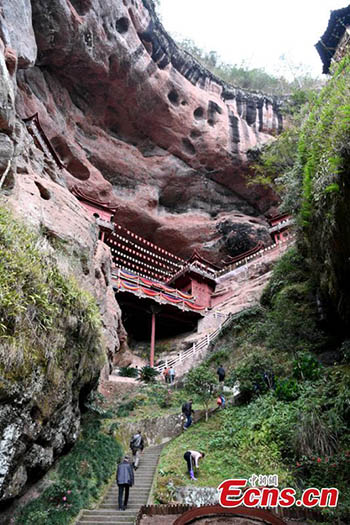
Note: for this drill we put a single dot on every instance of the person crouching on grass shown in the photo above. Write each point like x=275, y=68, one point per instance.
x=192, y=458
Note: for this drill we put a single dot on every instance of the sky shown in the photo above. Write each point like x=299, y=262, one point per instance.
x=255, y=31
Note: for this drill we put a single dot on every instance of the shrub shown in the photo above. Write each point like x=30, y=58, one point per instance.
x=287, y=389
x=345, y=349
x=202, y=382
x=218, y=357
x=313, y=434
x=128, y=371
x=306, y=366
x=148, y=374
x=126, y=408
x=255, y=376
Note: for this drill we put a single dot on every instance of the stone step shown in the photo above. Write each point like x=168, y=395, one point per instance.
x=142, y=487
x=133, y=490
x=90, y=515
x=133, y=499
x=102, y=521
x=114, y=505
x=109, y=512
x=138, y=482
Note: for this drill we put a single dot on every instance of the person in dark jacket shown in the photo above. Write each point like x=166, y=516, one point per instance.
x=137, y=446
x=187, y=412
x=221, y=373
x=125, y=480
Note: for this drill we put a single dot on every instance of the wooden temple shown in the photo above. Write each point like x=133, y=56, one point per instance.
x=102, y=212
x=152, y=282
x=334, y=44
x=196, y=277
x=142, y=277
x=280, y=227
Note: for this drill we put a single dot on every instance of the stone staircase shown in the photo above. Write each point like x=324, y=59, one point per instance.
x=107, y=513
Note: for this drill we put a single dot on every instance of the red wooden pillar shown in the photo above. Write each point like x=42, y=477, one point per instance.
x=153, y=339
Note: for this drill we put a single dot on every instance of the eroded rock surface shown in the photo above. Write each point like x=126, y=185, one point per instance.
x=142, y=126
x=40, y=411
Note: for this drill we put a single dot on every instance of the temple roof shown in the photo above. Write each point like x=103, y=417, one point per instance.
x=327, y=45
x=44, y=142
x=196, y=256
x=279, y=217
x=77, y=192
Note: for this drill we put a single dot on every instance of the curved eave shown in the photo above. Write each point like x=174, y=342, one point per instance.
x=327, y=45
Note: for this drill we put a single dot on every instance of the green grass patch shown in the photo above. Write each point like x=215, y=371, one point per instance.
x=233, y=448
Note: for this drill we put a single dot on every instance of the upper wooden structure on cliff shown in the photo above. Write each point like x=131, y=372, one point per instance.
x=335, y=42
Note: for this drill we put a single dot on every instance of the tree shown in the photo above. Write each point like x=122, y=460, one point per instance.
x=202, y=381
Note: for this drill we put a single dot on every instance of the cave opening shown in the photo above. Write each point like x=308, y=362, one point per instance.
x=81, y=6
x=137, y=319
x=44, y=192
x=198, y=113
x=173, y=96
x=78, y=169
x=188, y=146
x=122, y=25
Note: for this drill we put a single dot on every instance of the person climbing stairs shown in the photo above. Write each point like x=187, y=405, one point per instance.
x=108, y=513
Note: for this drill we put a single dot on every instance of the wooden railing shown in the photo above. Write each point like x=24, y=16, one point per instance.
x=160, y=293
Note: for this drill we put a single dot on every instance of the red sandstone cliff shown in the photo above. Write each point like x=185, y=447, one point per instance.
x=140, y=124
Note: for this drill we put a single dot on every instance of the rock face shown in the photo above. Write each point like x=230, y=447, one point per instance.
x=40, y=412
x=149, y=129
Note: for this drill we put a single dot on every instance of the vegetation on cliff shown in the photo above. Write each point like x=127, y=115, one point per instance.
x=45, y=317
x=51, y=354
x=47, y=322
x=255, y=79
x=310, y=163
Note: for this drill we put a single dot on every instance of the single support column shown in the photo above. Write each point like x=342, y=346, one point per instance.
x=154, y=309
x=153, y=339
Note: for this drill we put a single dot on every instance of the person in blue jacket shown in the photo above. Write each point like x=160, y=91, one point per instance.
x=125, y=480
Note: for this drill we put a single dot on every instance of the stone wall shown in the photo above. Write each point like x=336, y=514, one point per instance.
x=155, y=430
